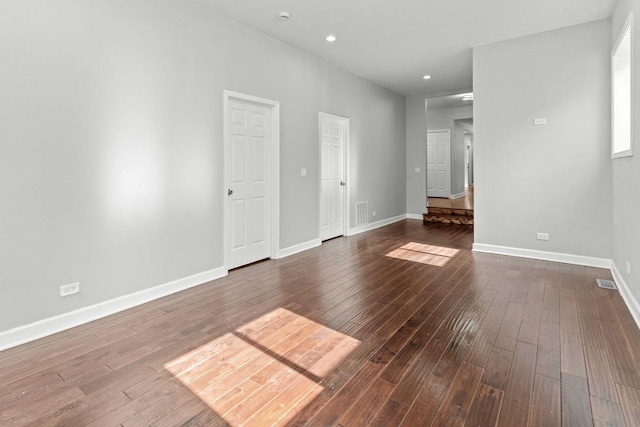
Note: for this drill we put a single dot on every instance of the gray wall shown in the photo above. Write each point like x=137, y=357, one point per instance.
x=444, y=118
x=626, y=171
x=111, y=168
x=416, y=155
x=554, y=178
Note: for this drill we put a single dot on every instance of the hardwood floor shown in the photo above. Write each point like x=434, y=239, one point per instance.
x=403, y=325
x=465, y=202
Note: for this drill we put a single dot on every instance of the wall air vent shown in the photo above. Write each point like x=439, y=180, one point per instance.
x=606, y=284
x=362, y=213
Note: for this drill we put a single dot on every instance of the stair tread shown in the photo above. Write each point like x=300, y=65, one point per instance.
x=448, y=219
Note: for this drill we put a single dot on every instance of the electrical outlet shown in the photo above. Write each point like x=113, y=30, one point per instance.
x=417, y=170
x=628, y=267
x=70, y=289
x=542, y=236
x=373, y=213
x=303, y=172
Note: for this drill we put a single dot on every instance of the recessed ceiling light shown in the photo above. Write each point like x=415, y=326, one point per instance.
x=331, y=38
x=426, y=77
x=284, y=16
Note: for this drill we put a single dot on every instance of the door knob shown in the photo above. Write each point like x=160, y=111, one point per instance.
x=343, y=183
x=229, y=192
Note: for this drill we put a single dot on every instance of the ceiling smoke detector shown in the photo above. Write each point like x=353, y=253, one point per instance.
x=284, y=16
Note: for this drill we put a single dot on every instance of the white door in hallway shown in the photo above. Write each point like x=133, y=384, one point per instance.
x=248, y=165
x=333, y=139
x=439, y=163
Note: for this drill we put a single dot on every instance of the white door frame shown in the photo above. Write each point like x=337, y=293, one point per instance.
x=345, y=172
x=448, y=131
x=274, y=178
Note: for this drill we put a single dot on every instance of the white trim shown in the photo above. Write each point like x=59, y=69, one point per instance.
x=300, y=247
x=275, y=169
x=374, y=225
x=630, y=301
x=52, y=325
x=457, y=196
x=414, y=216
x=346, y=171
x=543, y=255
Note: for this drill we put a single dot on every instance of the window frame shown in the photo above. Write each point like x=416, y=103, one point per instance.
x=627, y=28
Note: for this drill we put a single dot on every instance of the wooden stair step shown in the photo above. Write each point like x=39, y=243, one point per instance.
x=451, y=211
x=448, y=219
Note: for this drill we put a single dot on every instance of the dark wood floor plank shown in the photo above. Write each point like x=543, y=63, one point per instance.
x=497, y=371
x=458, y=400
x=599, y=375
x=626, y=370
x=348, y=333
x=572, y=354
x=548, y=357
x=576, y=406
x=545, y=402
x=630, y=402
x=485, y=407
x=366, y=407
x=606, y=413
x=391, y=414
x=517, y=396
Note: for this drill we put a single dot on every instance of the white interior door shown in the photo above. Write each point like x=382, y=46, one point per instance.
x=333, y=134
x=248, y=166
x=439, y=163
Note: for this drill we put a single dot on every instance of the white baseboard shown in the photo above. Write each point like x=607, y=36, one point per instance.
x=414, y=216
x=292, y=250
x=543, y=255
x=457, y=196
x=374, y=225
x=52, y=325
x=625, y=292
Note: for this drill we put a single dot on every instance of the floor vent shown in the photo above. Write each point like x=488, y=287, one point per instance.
x=362, y=213
x=607, y=284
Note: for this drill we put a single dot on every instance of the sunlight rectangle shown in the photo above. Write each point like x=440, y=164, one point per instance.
x=266, y=370
x=425, y=254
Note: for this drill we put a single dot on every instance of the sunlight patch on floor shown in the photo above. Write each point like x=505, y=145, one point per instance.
x=265, y=371
x=424, y=254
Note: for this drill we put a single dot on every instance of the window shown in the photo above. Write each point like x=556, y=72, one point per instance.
x=621, y=72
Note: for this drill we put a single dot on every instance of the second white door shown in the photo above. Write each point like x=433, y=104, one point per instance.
x=333, y=136
x=249, y=179
x=438, y=164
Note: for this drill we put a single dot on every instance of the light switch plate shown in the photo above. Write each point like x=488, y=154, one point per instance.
x=303, y=172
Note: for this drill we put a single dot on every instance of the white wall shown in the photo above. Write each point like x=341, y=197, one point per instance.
x=626, y=171
x=554, y=178
x=416, y=155
x=111, y=167
x=444, y=118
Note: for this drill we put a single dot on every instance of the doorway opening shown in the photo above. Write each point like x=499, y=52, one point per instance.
x=450, y=163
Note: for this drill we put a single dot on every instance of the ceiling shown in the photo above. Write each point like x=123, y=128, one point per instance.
x=448, y=101
x=395, y=43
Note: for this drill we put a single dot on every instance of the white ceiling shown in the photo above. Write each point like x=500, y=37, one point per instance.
x=448, y=101
x=395, y=42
